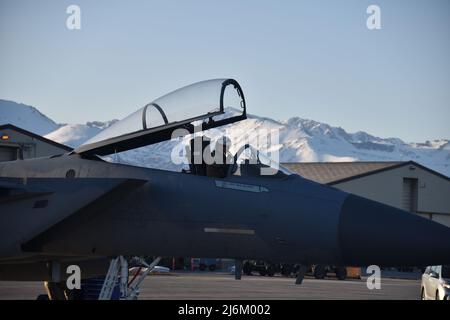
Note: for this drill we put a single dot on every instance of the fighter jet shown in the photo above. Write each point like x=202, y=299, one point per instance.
x=78, y=209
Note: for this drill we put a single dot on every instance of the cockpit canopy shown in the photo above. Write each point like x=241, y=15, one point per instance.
x=196, y=107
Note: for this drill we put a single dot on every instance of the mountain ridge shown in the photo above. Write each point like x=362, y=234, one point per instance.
x=300, y=140
x=26, y=117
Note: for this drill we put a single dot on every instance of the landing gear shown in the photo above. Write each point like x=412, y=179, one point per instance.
x=238, y=269
x=301, y=274
x=55, y=290
x=116, y=284
x=59, y=291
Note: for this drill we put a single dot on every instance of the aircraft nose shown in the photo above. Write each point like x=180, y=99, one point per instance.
x=374, y=233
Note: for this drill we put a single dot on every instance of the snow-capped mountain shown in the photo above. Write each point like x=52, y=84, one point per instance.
x=26, y=117
x=298, y=140
x=301, y=140
x=74, y=135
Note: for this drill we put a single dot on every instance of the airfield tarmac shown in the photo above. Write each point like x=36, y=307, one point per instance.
x=219, y=286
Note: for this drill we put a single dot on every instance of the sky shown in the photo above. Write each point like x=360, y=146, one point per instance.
x=313, y=59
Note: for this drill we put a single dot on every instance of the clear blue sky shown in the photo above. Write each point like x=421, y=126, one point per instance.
x=313, y=59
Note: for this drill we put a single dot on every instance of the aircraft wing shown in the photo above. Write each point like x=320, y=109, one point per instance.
x=29, y=208
x=197, y=107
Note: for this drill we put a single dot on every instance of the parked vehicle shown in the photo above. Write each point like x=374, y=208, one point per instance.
x=265, y=268
x=436, y=283
x=203, y=264
x=320, y=271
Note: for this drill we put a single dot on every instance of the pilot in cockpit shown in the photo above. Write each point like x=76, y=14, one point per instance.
x=207, y=161
x=221, y=159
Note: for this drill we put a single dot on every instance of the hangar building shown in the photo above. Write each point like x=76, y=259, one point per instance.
x=17, y=143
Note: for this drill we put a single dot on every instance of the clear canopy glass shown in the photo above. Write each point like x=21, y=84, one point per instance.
x=201, y=100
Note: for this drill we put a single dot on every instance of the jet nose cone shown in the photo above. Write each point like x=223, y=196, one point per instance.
x=374, y=233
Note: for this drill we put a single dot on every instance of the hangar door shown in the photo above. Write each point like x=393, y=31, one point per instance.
x=410, y=194
x=8, y=153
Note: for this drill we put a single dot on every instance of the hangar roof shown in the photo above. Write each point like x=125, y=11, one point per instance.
x=336, y=172
x=34, y=135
